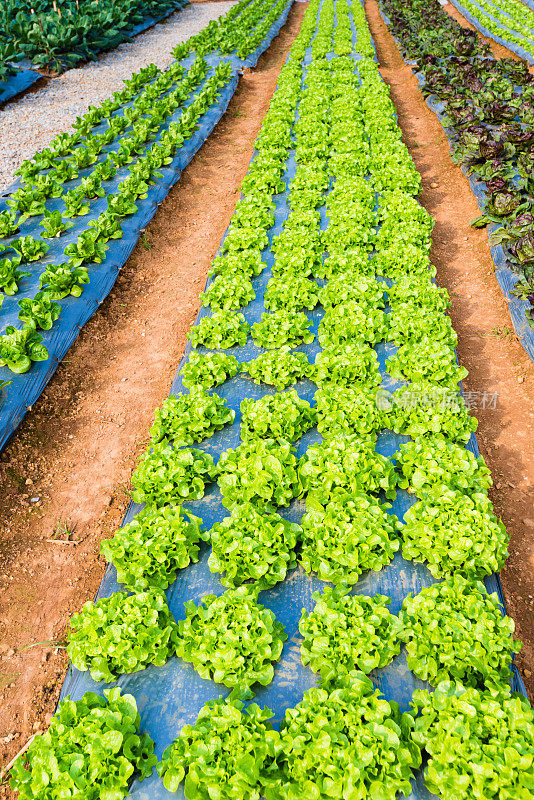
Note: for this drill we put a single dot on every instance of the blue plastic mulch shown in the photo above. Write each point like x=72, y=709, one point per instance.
x=171, y=696
x=17, y=83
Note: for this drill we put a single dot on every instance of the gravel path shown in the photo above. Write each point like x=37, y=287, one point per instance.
x=30, y=123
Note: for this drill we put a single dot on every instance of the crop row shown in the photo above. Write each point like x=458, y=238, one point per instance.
x=73, y=197
x=60, y=35
x=488, y=112
x=511, y=20
x=353, y=250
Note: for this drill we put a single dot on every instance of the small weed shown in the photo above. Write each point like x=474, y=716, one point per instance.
x=62, y=530
x=501, y=332
x=146, y=243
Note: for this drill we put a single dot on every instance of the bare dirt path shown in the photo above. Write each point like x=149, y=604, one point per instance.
x=65, y=476
x=499, y=369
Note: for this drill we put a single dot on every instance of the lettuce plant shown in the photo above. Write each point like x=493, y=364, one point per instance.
x=349, y=463
x=478, y=745
x=122, y=634
x=280, y=368
x=291, y=293
x=167, y=475
x=91, y=750
x=231, y=639
x=250, y=545
x=452, y=532
x=30, y=249
x=346, y=364
x=346, y=409
x=226, y=754
x=62, y=280
x=150, y=550
x=343, y=739
x=434, y=461
x=262, y=472
x=347, y=287
x=11, y=275
x=208, y=370
x=347, y=535
x=426, y=360
x=424, y=408
x=281, y=328
x=222, y=330
x=189, y=418
x=346, y=633
x=54, y=225
x=410, y=324
x=283, y=416
x=228, y=292
x=419, y=291
x=352, y=321
x=18, y=348
x=40, y=311
x=456, y=631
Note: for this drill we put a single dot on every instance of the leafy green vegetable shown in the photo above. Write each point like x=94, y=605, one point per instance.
x=231, y=639
x=280, y=368
x=426, y=360
x=479, y=745
x=228, y=292
x=189, y=418
x=40, y=311
x=434, y=461
x=11, y=275
x=281, y=328
x=418, y=290
x=423, y=408
x=18, y=348
x=165, y=475
x=346, y=287
x=350, y=320
x=208, y=370
x=291, y=293
x=283, y=416
x=225, y=754
x=91, y=751
x=250, y=545
x=349, y=463
x=122, y=634
x=62, y=280
x=344, y=740
x=346, y=409
x=455, y=630
x=410, y=324
x=347, y=535
x=451, y=531
x=150, y=550
x=346, y=364
x=262, y=472
x=346, y=632
x=223, y=329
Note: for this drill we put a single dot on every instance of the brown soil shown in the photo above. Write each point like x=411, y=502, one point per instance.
x=487, y=345
x=65, y=476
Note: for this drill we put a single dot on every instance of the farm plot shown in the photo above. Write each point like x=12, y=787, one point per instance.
x=328, y=223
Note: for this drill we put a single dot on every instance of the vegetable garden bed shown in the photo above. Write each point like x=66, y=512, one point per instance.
x=490, y=136
x=92, y=204
x=300, y=199
x=504, y=22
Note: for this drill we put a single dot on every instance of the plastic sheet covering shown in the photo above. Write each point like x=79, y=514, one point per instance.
x=17, y=83
x=506, y=277
x=26, y=388
x=479, y=25
x=171, y=696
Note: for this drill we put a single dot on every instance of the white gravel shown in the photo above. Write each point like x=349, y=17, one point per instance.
x=31, y=122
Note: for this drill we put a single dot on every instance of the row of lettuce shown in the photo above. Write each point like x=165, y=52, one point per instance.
x=489, y=113
x=511, y=20
x=343, y=739
x=113, y=156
